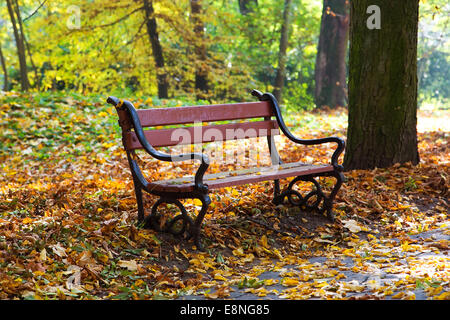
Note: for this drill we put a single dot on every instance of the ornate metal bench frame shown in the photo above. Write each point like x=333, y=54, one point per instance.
x=129, y=119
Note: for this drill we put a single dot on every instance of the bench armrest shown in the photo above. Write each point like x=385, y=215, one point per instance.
x=203, y=158
x=340, y=142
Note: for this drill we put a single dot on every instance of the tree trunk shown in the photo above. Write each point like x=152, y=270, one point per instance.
x=331, y=70
x=201, y=68
x=152, y=31
x=284, y=39
x=382, y=86
x=246, y=6
x=26, y=44
x=5, y=70
x=25, y=84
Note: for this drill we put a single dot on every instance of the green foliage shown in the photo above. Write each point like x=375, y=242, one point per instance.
x=434, y=53
x=103, y=47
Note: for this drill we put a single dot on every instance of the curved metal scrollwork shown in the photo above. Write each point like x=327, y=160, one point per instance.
x=315, y=199
x=153, y=220
x=295, y=198
x=188, y=225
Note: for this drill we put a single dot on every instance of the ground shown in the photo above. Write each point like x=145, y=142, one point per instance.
x=68, y=218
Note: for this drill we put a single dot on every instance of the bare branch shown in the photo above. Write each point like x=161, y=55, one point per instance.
x=35, y=11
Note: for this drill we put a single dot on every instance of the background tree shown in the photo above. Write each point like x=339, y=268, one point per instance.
x=331, y=68
x=247, y=6
x=20, y=43
x=201, y=68
x=382, y=86
x=152, y=30
x=231, y=46
x=5, y=70
x=284, y=39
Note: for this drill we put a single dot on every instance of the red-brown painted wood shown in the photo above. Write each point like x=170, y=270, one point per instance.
x=203, y=134
x=207, y=113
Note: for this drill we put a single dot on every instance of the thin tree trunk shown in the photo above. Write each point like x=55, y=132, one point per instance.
x=25, y=84
x=331, y=70
x=5, y=70
x=152, y=30
x=281, y=71
x=27, y=46
x=247, y=6
x=201, y=68
x=382, y=86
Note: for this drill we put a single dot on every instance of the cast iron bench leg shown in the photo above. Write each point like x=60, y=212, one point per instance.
x=328, y=201
x=140, y=204
x=193, y=227
x=295, y=198
x=196, y=228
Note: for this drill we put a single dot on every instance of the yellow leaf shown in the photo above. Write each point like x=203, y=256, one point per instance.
x=27, y=220
x=219, y=277
x=238, y=252
x=128, y=264
x=139, y=282
x=248, y=258
x=278, y=254
x=290, y=282
x=443, y=296
x=103, y=258
x=352, y=225
x=43, y=255
x=264, y=241
x=398, y=295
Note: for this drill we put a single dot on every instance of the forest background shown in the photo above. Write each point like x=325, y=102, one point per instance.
x=210, y=50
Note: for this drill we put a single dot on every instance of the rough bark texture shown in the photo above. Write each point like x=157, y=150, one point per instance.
x=152, y=30
x=5, y=70
x=382, y=86
x=26, y=44
x=331, y=70
x=201, y=71
x=246, y=6
x=25, y=84
x=281, y=70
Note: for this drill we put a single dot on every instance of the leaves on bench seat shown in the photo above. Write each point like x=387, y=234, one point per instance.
x=239, y=177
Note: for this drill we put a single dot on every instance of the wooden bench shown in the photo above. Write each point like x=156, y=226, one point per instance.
x=171, y=191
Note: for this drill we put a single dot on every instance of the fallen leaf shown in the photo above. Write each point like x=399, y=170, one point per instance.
x=352, y=225
x=128, y=264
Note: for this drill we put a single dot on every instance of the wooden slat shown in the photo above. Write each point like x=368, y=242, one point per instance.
x=192, y=135
x=207, y=113
x=216, y=181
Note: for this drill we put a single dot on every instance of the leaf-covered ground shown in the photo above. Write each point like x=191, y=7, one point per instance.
x=68, y=231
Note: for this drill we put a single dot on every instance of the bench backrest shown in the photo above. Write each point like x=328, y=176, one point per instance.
x=198, y=130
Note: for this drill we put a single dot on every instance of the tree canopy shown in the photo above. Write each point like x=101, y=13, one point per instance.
x=102, y=46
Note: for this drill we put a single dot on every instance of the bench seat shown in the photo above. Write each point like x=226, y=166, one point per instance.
x=240, y=177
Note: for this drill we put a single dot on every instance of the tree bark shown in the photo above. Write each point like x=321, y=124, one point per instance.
x=152, y=31
x=246, y=6
x=5, y=70
x=25, y=84
x=331, y=70
x=201, y=68
x=26, y=44
x=284, y=39
x=382, y=86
